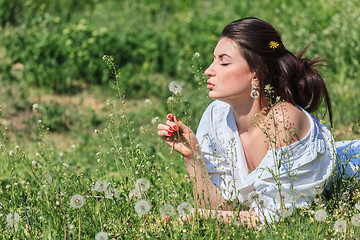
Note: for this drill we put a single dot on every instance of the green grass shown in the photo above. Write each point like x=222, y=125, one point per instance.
x=87, y=132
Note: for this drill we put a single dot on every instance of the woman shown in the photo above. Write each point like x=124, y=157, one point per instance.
x=257, y=143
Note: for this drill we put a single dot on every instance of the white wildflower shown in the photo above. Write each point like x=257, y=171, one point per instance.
x=142, y=184
x=35, y=107
x=147, y=101
x=340, y=225
x=320, y=215
x=196, y=54
x=77, y=201
x=71, y=228
x=167, y=210
x=142, y=207
x=47, y=178
x=355, y=220
x=11, y=153
x=101, y=236
x=184, y=208
x=155, y=120
x=65, y=165
x=100, y=185
x=175, y=87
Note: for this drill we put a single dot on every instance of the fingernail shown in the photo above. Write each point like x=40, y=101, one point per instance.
x=169, y=116
x=175, y=128
x=171, y=130
x=170, y=134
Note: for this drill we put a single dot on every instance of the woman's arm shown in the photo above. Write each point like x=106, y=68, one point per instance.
x=206, y=195
x=183, y=140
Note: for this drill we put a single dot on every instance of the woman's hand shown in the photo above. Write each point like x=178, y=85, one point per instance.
x=179, y=136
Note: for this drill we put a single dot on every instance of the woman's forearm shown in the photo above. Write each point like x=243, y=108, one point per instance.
x=206, y=194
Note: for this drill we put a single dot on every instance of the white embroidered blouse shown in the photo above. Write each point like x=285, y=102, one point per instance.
x=303, y=167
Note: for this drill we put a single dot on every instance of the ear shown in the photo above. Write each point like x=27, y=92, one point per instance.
x=255, y=80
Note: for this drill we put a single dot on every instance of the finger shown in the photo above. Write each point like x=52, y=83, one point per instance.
x=172, y=125
x=182, y=127
x=164, y=133
x=165, y=128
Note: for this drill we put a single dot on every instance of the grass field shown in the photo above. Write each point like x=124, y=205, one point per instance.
x=66, y=124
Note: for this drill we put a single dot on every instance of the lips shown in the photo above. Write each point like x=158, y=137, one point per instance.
x=210, y=85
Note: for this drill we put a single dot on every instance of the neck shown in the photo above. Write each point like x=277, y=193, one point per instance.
x=245, y=114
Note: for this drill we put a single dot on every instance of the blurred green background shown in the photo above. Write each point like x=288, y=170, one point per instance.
x=55, y=48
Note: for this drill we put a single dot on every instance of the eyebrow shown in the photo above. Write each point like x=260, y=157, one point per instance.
x=222, y=55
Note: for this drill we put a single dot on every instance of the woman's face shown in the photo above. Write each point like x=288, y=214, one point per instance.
x=229, y=75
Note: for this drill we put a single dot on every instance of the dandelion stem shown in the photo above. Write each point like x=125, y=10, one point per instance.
x=97, y=203
x=79, y=224
x=105, y=207
x=172, y=113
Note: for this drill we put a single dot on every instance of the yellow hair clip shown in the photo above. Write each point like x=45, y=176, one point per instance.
x=273, y=44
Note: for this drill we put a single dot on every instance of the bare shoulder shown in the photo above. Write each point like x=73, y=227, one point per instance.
x=285, y=124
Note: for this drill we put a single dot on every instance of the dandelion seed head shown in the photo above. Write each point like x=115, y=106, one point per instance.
x=135, y=193
x=100, y=185
x=320, y=215
x=184, y=208
x=285, y=212
x=355, y=220
x=175, y=87
x=101, y=236
x=12, y=218
x=253, y=197
x=357, y=206
x=285, y=197
x=12, y=227
x=142, y=207
x=167, y=210
x=142, y=184
x=340, y=225
x=111, y=193
x=77, y=201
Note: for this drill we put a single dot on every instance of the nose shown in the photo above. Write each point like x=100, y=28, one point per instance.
x=210, y=71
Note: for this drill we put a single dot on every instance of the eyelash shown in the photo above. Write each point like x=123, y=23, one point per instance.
x=224, y=64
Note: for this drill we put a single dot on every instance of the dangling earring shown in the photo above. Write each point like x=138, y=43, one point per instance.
x=254, y=92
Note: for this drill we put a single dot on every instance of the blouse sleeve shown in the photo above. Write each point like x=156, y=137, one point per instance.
x=213, y=152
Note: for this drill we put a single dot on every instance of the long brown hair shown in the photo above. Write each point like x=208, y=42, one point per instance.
x=293, y=78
